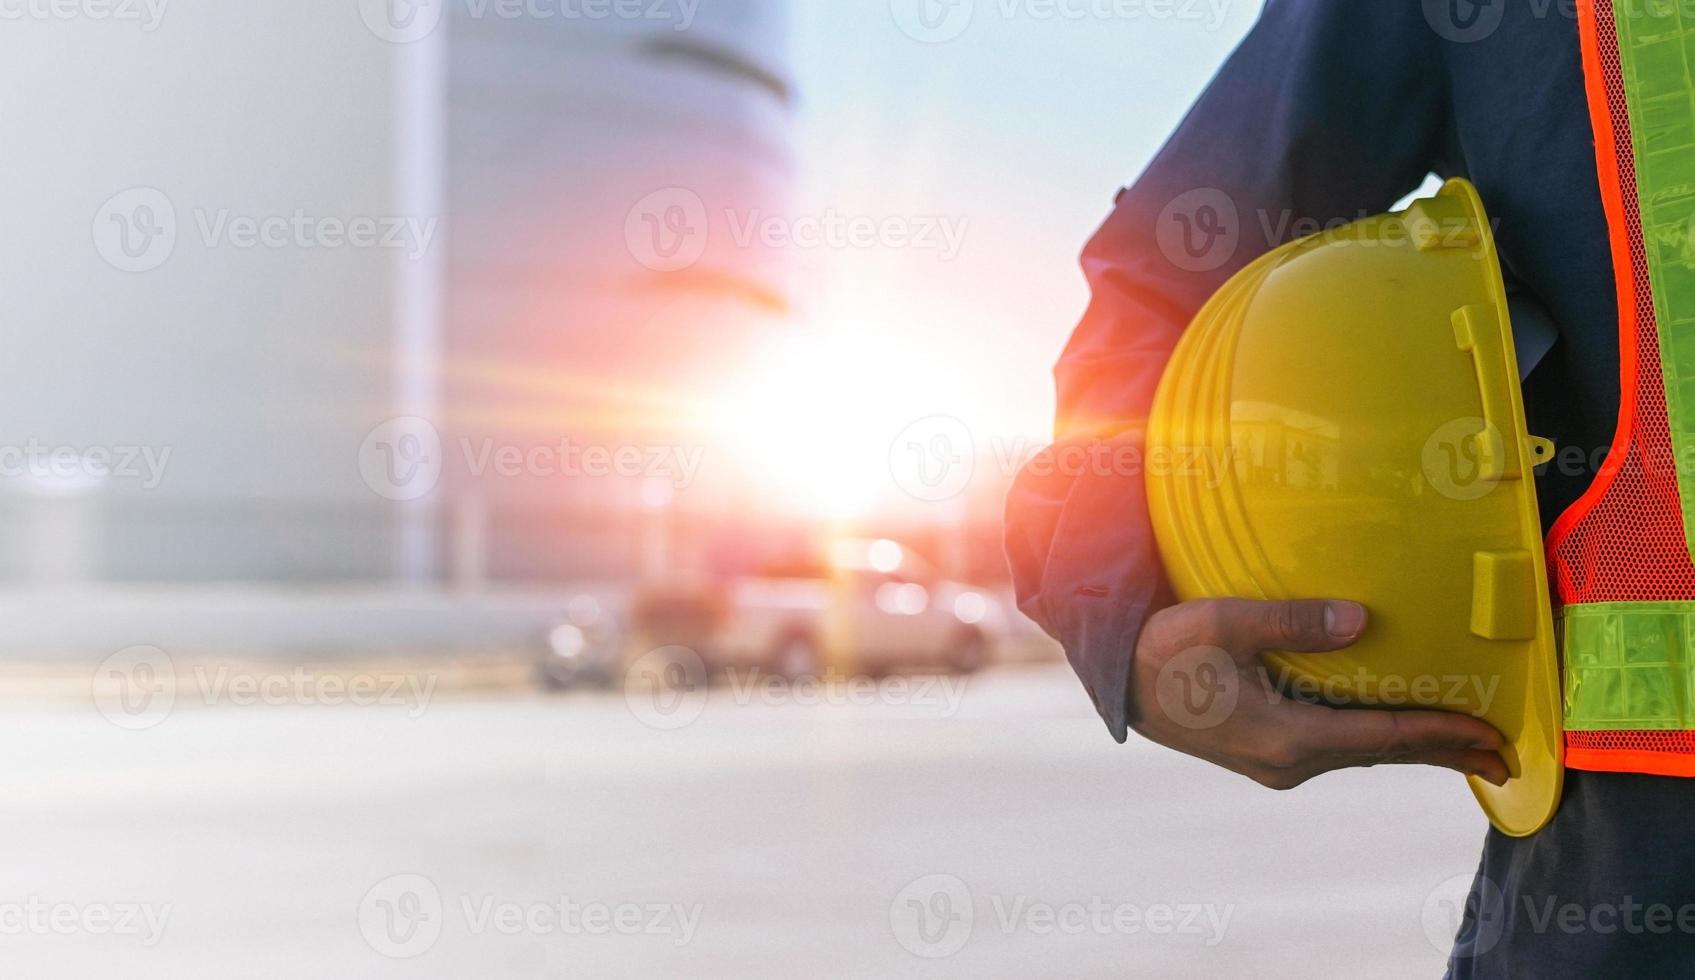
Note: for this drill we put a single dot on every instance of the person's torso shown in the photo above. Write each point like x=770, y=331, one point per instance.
x=1519, y=129
x=1608, y=888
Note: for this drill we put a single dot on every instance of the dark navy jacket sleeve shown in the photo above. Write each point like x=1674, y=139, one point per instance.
x=1328, y=111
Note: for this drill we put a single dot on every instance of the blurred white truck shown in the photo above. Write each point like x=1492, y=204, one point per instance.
x=865, y=607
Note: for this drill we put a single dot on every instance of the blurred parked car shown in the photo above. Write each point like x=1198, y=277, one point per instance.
x=871, y=606
x=864, y=606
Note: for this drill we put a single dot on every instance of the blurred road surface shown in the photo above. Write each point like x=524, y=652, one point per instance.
x=994, y=831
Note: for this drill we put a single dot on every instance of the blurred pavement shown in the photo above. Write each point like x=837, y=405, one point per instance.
x=762, y=838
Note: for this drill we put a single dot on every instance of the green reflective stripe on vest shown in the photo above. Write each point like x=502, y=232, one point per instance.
x=1657, y=52
x=1628, y=666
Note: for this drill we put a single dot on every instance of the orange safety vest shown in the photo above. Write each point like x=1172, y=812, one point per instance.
x=1619, y=560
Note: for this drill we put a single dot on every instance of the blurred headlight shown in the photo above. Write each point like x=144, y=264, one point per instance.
x=970, y=608
x=902, y=598
x=567, y=641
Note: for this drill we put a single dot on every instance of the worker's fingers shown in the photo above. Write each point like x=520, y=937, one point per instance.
x=1247, y=628
x=1198, y=690
x=1488, y=766
x=1353, y=737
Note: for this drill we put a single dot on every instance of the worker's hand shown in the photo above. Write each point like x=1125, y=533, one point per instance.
x=1201, y=688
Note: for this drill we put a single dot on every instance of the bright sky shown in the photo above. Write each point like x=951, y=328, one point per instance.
x=986, y=160
x=1016, y=134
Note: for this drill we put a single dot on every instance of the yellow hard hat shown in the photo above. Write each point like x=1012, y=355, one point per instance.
x=1343, y=421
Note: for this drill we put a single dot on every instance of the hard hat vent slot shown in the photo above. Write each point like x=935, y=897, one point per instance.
x=1440, y=222
x=1477, y=331
x=1503, y=595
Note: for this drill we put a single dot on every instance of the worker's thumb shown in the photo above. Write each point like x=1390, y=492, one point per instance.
x=1295, y=625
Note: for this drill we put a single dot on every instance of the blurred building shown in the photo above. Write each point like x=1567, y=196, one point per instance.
x=602, y=282
x=525, y=148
